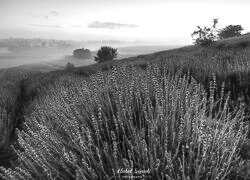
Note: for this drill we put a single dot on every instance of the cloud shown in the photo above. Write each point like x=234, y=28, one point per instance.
x=47, y=25
x=110, y=25
x=43, y=16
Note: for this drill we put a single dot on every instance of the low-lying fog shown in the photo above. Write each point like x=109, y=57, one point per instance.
x=57, y=57
x=32, y=56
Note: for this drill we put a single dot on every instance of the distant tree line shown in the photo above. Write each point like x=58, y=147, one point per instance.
x=22, y=43
x=207, y=35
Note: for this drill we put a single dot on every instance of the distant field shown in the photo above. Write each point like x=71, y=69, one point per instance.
x=59, y=64
x=7, y=61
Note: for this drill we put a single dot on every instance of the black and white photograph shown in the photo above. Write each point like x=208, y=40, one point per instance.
x=124, y=90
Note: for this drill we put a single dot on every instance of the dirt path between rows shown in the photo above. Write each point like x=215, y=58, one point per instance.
x=7, y=154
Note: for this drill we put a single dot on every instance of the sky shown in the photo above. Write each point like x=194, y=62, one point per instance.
x=160, y=21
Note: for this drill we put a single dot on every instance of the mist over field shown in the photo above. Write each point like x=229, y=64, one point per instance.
x=11, y=59
x=58, y=55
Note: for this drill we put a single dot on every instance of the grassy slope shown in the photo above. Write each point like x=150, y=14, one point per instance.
x=234, y=44
x=228, y=59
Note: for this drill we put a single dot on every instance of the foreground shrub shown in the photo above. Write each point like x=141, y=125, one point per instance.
x=151, y=120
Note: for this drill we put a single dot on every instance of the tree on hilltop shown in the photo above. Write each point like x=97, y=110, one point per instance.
x=230, y=31
x=207, y=35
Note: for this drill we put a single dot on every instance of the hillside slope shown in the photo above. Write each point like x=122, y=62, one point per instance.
x=234, y=45
x=173, y=79
x=230, y=44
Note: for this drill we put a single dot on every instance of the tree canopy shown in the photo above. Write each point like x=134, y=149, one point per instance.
x=230, y=31
x=106, y=53
x=207, y=35
x=82, y=53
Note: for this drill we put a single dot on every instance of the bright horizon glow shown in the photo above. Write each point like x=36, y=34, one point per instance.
x=163, y=21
